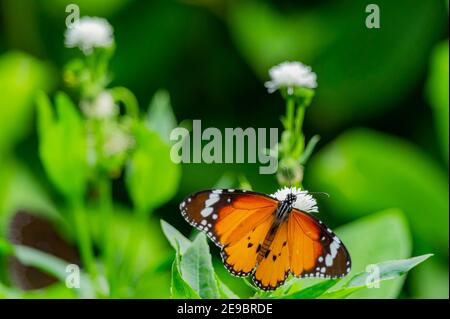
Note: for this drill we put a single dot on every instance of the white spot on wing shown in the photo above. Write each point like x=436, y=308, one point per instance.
x=212, y=200
x=206, y=211
x=328, y=260
x=334, y=248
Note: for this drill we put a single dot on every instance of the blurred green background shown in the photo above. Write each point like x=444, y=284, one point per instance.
x=381, y=109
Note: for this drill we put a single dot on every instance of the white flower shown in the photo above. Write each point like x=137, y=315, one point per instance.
x=117, y=141
x=304, y=200
x=101, y=108
x=88, y=33
x=290, y=75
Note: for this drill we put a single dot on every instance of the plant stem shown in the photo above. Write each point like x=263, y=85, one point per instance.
x=290, y=105
x=141, y=221
x=298, y=145
x=299, y=120
x=132, y=246
x=127, y=97
x=84, y=239
x=106, y=211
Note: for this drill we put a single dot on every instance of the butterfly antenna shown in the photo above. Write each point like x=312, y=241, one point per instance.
x=314, y=193
x=321, y=193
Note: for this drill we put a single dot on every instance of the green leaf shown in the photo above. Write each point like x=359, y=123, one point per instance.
x=152, y=178
x=150, y=244
x=154, y=277
x=181, y=244
x=373, y=239
x=55, y=291
x=227, y=180
x=45, y=118
x=366, y=171
x=380, y=272
x=62, y=145
x=224, y=291
x=438, y=94
x=5, y=247
x=370, y=240
x=239, y=286
x=180, y=289
x=45, y=262
x=197, y=268
x=51, y=265
x=160, y=117
x=309, y=149
x=313, y=291
x=125, y=96
x=21, y=76
x=20, y=191
x=8, y=292
x=175, y=238
x=341, y=293
x=32, y=196
x=388, y=270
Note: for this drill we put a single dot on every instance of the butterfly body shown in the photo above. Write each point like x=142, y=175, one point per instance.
x=281, y=213
x=267, y=237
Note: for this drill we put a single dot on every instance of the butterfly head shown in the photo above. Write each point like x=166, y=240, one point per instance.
x=291, y=198
x=297, y=198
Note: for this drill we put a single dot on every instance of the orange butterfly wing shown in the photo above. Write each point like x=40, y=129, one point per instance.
x=305, y=247
x=237, y=221
x=314, y=250
x=241, y=257
x=273, y=269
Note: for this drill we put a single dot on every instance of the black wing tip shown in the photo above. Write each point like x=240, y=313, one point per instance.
x=258, y=283
x=226, y=191
x=230, y=268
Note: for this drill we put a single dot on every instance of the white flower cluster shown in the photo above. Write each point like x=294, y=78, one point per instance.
x=101, y=108
x=88, y=33
x=291, y=75
x=117, y=142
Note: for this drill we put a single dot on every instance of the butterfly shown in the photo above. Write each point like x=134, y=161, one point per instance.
x=32, y=229
x=268, y=236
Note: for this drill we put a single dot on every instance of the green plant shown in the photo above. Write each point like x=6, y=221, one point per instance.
x=192, y=271
x=193, y=275
x=91, y=148
x=387, y=181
